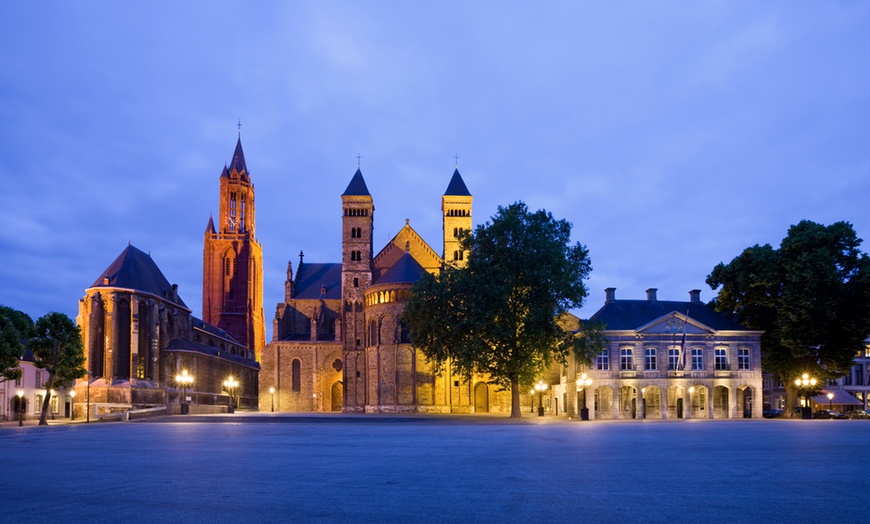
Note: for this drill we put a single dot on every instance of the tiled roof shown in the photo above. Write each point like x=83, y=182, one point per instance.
x=633, y=314
x=311, y=279
x=214, y=330
x=406, y=270
x=134, y=269
x=178, y=344
x=456, y=187
x=357, y=186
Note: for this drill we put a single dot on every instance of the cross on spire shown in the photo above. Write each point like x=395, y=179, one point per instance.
x=239, y=125
x=456, y=160
x=358, y=157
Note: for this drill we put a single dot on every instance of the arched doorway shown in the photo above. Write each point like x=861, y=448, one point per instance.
x=604, y=402
x=720, y=402
x=744, y=401
x=652, y=400
x=675, y=402
x=699, y=402
x=337, y=393
x=627, y=402
x=481, y=398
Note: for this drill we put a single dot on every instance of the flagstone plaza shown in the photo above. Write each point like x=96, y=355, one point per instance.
x=279, y=468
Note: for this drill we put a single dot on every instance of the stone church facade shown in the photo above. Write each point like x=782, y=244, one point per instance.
x=338, y=342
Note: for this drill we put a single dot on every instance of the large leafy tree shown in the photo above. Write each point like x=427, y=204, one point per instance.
x=811, y=297
x=499, y=314
x=58, y=349
x=15, y=329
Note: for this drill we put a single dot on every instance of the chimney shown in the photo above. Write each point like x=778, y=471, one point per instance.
x=695, y=296
x=610, y=295
x=651, y=294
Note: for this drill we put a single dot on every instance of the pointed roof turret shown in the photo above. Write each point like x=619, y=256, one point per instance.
x=210, y=227
x=238, y=163
x=357, y=186
x=457, y=186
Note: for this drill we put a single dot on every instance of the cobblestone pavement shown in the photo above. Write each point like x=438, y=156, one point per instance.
x=334, y=468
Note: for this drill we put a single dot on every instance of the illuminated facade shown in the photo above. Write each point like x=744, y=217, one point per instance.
x=338, y=343
x=232, y=267
x=666, y=360
x=138, y=334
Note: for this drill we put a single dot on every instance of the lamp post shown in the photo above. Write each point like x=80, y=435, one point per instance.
x=185, y=380
x=540, y=387
x=72, y=405
x=532, y=401
x=88, y=420
x=20, y=407
x=231, y=384
x=272, y=392
x=805, y=383
x=830, y=401
x=582, y=383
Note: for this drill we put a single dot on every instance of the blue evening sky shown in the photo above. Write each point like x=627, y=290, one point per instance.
x=671, y=134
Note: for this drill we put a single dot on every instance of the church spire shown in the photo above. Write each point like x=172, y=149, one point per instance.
x=238, y=164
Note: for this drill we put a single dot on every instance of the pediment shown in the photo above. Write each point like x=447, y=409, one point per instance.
x=675, y=323
x=410, y=240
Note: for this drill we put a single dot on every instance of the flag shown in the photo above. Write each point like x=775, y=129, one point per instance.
x=682, y=364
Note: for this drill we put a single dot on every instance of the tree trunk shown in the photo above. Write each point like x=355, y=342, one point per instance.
x=45, y=403
x=515, y=398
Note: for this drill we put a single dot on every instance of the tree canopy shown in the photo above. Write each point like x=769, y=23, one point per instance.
x=58, y=349
x=16, y=328
x=811, y=297
x=499, y=313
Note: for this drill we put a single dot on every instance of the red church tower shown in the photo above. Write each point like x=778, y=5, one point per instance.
x=232, y=276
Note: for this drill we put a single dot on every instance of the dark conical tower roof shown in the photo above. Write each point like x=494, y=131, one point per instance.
x=457, y=186
x=357, y=186
x=238, y=163
x=210, y=227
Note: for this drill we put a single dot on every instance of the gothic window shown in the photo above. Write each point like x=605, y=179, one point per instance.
x=296, y=375
x=743, y=358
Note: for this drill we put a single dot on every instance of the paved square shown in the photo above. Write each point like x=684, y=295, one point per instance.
x=271, y=468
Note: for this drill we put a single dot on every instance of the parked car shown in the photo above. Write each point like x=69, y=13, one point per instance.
x=828, y=413
x=772, y=413
x=859, y=414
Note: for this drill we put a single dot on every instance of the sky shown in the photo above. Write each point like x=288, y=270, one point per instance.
x=672, y=135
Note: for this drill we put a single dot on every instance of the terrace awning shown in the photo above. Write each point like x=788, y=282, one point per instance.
x=841, y=398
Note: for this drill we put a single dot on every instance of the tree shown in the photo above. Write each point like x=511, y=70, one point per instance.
x=499, y=314
x=811, y=297
x=15, y=328
x=57, y=348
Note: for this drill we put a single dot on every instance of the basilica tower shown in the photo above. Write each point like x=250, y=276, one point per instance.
x=232, y=276
x=456, y=216
x=357, y=228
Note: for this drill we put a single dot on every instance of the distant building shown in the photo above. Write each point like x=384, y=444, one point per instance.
x=338, y=341
x=32, y=386
x=666, y=360
x=138, y=335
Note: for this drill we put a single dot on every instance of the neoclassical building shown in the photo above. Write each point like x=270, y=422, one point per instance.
x=338, y=342
x=138, y=334
x=666, y=360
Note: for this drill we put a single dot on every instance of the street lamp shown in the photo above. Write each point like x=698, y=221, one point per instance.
x=540, y=387
x=231, y=384
x=185, y=380
x=532, y=401
x=805, y=383
x=584, y=382
x=272, y=392
x=830, y=401
x=20, y=407
x=72, y=405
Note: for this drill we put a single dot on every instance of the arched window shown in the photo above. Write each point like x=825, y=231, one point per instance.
x=296, y=375
x=405, y=334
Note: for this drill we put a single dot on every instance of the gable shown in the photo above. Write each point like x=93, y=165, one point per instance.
x=395, y=248
x=674, y=324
